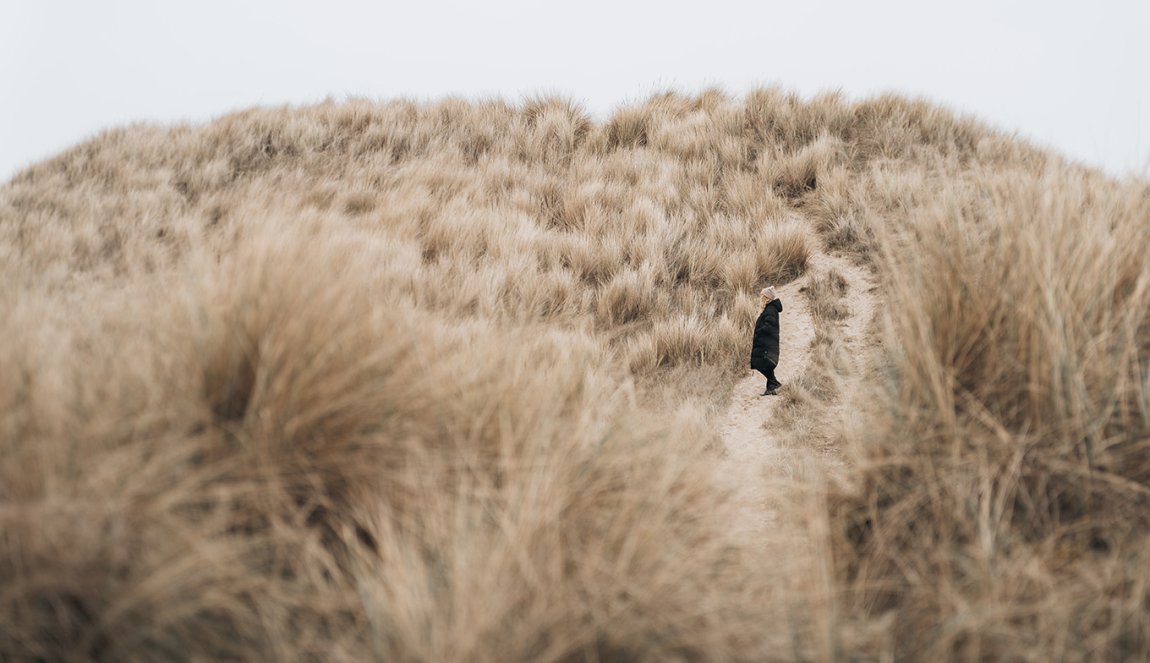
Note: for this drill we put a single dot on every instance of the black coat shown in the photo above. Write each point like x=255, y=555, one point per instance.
x=765, y=347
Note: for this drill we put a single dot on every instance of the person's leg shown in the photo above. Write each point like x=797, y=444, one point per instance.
x=769, y=375
x=772, y=382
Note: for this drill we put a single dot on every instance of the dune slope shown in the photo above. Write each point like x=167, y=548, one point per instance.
x=467, y=381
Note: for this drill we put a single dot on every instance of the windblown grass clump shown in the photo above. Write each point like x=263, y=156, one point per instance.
x=1003, y=502
x=280, y=463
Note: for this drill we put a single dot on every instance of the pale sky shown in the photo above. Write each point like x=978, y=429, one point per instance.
x=1071, y=75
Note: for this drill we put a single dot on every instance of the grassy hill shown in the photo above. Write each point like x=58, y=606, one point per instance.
x=443, y=381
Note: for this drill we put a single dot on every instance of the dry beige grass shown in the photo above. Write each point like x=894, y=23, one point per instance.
x=439, y=382
x=1001, y=505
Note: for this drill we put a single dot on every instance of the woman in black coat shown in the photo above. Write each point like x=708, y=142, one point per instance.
x=765, y=347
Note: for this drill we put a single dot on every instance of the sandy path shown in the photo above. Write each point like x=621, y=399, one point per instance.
x=754, y=452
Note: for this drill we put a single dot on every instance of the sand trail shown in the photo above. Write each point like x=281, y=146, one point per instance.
x=750, y=432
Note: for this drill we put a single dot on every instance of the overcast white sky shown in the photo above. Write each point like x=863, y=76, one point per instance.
x=1074, y=75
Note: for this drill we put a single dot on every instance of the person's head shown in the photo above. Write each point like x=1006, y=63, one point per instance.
x=767, y=295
